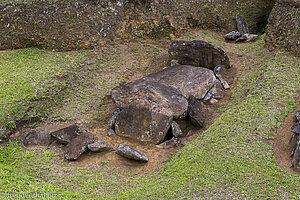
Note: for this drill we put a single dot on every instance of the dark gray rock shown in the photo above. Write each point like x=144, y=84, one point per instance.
x=296, y=158
x=143, y=124
x=251, y=37
x=131, y=153
x=33, y=137
x=176, y=131
x=294, y=142
x=174, y=142
x=112, y=120
x=298, y=115
x=78, y=145
x=217, y=71
x=195, y=112
x=242, y=25
x=153, y=95
x=182, y=123
x=189, y=80
x=100, y=146
x=111, y=132
x=232, y=36
x=217, y=91
x=198, y=53
x=65, y=135
x=296, y=128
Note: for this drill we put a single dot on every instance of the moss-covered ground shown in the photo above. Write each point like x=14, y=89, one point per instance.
x=232, y=159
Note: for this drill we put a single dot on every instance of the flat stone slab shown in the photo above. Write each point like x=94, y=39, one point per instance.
x=78, y=145
x=142, y=124
x=100, y=146
x=152, y=95
x=198, y=53
x=131, y=153
x=189, y=80
x=33, y=137
x=65, y=135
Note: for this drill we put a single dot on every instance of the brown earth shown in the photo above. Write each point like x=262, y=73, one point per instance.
x=281, y=143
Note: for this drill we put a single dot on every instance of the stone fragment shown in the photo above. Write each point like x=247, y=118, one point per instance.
x=33, y=137
x=293, y=143
x=65, y=135
x=296, y=158
x=143, y=124
x=242, y=25
x=195, y=112
x=251, y=37
x=169, y=143
x=152, y=95
x=78, y=145
x=176, y=131
x=111, y=132
x=198, y=53
x=100, y=146
x=189, y=80
x=243, y=38
x=112, y=120
x=182, y=123
x=131, y=153
x=297, y=114
x=217, y=71
x=296, y=128
x=232, y=36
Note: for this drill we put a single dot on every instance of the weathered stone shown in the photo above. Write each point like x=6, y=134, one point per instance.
x=217, y=91
x=251, y=37
x=195, y=112
x=100, y=146
x=34, y=137
x=131, y=153
x=296, y=128
x=112, y=120
x=242, y=25
x=189, y=80
x=111, y=132
x=155, y=96
x=169, y=143
x=297, y=114
x=142, y=124
x=296, y=158
x=217, y=71
x=78, y=145
x=182, y=123
x=294, y=142
x=176, y=131
x=65, y=135
x=232, y=36
x=198, y=53
x=243, y=38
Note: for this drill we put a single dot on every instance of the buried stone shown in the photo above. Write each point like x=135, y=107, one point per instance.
x=131, y=153
x=198, y=53
x=34, y=137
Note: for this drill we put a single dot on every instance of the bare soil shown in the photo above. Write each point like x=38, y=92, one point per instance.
x=281, y=146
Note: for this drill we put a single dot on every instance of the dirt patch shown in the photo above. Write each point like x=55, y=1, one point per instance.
x=281, y=143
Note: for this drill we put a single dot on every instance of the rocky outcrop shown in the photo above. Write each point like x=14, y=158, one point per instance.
x=283, y=26
x=83, y=24
x=198, y=53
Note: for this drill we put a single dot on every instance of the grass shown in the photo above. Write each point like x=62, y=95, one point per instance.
x=29, y=77
x=230, y=160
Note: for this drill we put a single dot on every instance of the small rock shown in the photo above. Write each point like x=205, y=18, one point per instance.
x=65, y=135
x=111, y=132
x=243, y=38
x=232, y=36
x=296, y=128
x=217, y=71
x=78, y=145
x=293, y=143
x=34, y=137
x=217, y=91
x=169, y=143
x=296, y=159
x=131, y=153
x=112, y=120
x=242, y=25
x=176, y=131
x=100, y=146
x=195, y=112
x=298, y=115
x=182, y=123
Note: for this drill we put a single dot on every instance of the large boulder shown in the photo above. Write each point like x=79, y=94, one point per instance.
x=152, y=95
x=143, y=124
x=198, y=53
x=283, y=26
x=189, y=80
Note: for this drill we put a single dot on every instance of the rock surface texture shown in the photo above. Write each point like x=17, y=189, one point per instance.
x=100, y=146
x=295, y=142
x=65, y=135
x=131, y=153
x=33, y=137
x=198, y=53
x=283, y=26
